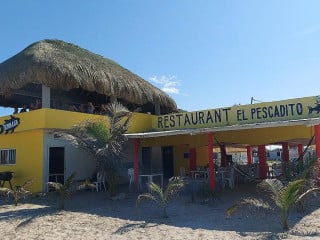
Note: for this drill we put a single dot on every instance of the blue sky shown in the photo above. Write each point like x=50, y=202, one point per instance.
x=205, y=54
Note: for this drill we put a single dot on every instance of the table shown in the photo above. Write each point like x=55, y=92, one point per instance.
x=202, y=173
x=150, y=177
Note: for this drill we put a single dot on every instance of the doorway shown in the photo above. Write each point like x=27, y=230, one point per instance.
x=146, y=160
x=167, y=161
x=56, y=164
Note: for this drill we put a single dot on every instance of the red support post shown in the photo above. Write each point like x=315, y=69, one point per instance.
x=249, y=155
x=263, y=167
x=285, y=152
x=317, y=142
x=192, y=159
x=300, y=151
x=210, y=161
x=223, y=156
x=136, y=143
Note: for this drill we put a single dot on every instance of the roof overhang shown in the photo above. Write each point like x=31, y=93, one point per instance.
x=194, y=131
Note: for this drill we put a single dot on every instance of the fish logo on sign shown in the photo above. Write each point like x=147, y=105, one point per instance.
x=315, y=108
x=9, y=125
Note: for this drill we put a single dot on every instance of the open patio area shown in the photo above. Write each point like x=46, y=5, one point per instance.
x=92, y=215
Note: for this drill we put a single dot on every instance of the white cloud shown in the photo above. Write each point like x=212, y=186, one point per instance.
x=168, y=84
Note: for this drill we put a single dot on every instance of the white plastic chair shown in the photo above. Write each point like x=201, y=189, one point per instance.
x=182, y=172
x=131, y=177
x=101, y=182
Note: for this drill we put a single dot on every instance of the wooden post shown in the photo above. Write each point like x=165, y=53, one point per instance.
x=157, y=109
x=136, y=144
x=45, y=101
x=210, y=161
x=263, y=167
x=249, y=155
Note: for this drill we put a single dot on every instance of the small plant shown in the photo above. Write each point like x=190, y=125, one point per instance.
x=285, y=197
x=17, y=192
x=64, y=190
x=207, y=195
x=248, y=207
x=162, y=197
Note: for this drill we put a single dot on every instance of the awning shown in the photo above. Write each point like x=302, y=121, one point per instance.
x=194, y=131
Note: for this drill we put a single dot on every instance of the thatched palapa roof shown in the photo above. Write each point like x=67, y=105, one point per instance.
x=60, y=65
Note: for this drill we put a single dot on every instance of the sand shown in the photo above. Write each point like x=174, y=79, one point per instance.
x=92, y=215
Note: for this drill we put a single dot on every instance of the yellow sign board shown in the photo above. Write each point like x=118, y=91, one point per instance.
x=293, y=109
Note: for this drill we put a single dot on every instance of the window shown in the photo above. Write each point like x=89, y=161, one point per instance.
x=7, y=156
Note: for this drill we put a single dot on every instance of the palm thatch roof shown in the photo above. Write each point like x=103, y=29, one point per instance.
x=60, y=65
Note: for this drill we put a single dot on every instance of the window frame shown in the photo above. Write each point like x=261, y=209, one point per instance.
x=9, y=155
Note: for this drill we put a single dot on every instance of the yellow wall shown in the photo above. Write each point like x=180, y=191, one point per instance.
x=202, y=156
x=58, y=119
x=29, y=157
x=179, y=160
x=246, y=137
x=266, y=135
x=28, y=139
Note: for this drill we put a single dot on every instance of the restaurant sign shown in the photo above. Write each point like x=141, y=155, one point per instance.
x=9, y=125
x=294, y=109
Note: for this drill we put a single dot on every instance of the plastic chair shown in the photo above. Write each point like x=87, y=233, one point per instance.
x=182, y=172
x=101, y=182
x=131, y=177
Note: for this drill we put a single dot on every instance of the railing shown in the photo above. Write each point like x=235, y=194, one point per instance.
x=56, y=177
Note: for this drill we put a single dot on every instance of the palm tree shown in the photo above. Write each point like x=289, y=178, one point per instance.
x=64, y=190
x=284, y=197
x=162, y=197
x=105, y=140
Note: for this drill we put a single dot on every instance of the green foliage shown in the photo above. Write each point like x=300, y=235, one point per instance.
x=231, y=210
x=284, y=197
x=64, y=190
x=105, y=144
x=17, y=192
x=162, y=197
x=207, y=195
x=99, y=131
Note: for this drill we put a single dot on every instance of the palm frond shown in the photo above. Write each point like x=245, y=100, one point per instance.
x=173, y=187
x=289, y=195
x=69, y=180
x=145, y=196
x=306, y=193
x=273, y=185
x=232, y=210
x=155, y=188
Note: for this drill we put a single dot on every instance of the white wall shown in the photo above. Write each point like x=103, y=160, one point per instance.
x=75, y=159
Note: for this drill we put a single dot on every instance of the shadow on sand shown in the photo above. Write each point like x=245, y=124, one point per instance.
x=182, y=211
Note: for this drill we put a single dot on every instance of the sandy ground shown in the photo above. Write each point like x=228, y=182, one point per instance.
x=91, y=215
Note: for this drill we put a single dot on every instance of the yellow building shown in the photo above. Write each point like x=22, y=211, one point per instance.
x=161, y=139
